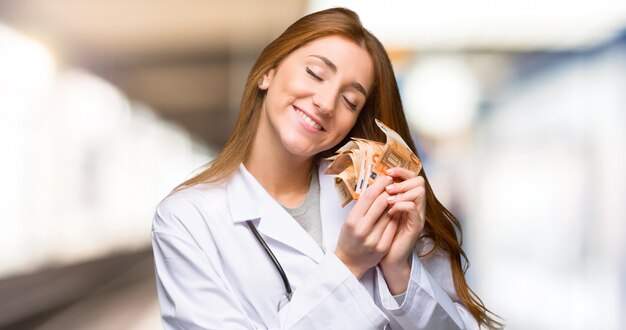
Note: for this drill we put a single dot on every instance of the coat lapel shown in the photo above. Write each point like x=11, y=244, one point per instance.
x=333, y=215
x=250, y=201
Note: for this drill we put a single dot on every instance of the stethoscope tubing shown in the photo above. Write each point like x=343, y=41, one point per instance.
x=267, y=249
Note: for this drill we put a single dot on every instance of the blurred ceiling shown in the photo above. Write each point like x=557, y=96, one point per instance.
x=187, y=59
x=511, y=25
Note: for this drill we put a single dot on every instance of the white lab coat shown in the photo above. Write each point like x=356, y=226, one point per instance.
x=213, y=274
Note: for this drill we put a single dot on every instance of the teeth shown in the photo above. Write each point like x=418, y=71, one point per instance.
x=309, y=121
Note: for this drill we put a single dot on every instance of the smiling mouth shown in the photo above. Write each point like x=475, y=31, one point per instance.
x=309, y=121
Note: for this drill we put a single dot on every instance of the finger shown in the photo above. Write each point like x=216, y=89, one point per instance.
x=416, y=194
x=388, y=234
x=370, y=194
x=420, y=206
x=362, y=226
x=400, y=173
x=406, y=185
x=377, y=231
x=407, y=207
x=375, y=211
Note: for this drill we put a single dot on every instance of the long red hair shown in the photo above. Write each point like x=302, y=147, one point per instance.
x=383, y=103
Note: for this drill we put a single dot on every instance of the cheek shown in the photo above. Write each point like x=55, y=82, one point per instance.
x=346, y=122
x=294, y=83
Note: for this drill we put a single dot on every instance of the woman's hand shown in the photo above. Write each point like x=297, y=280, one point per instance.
x=368, y=231
x=407, y=199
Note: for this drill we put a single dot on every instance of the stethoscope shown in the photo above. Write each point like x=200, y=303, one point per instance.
x=282, y=273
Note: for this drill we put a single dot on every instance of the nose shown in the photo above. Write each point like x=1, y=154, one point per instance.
x=325, y=100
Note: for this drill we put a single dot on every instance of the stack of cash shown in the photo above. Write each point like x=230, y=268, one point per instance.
x=357, y=164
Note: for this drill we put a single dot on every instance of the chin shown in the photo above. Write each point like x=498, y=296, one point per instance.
x=302, y=152
x=303, y=146
x=301, y=149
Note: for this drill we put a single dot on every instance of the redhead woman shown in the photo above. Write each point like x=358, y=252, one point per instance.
x=259, y=240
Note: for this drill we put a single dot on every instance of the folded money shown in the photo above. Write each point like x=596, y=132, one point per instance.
x=357, y=164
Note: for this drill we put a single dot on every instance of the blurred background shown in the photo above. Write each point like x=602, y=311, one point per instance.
x=518, y=110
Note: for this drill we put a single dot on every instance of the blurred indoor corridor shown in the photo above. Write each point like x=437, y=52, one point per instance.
x=518, y=111
x=116, y=292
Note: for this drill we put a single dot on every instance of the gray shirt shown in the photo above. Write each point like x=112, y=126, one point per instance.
x=308, y=213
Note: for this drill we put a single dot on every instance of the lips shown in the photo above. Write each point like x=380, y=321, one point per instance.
x=309, y=120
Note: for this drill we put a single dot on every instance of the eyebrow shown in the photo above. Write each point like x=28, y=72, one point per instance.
x=333, y=67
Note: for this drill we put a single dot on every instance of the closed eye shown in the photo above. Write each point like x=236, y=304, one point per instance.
x=315, y=76
x=350, y=104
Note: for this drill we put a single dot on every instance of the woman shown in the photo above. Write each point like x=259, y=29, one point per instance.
x=392, y=259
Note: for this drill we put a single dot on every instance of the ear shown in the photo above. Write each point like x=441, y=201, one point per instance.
x=265, y=82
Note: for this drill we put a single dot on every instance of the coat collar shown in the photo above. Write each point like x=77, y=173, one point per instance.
x=248, y=200
x=331, y=212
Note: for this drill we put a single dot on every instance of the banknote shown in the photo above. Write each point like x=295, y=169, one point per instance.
x=357, y=163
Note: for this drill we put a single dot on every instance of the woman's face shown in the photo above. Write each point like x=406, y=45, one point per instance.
x=315, y=95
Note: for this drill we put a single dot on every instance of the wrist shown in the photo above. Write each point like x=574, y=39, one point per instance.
x=354, y=269
x=396, y=270
x=396, y=266
x=397, y=279
x=397, y=276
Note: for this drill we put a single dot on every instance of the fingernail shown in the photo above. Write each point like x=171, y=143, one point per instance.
x=389, y=179
x=389, y=171
x=391, y=199
x=389, y=187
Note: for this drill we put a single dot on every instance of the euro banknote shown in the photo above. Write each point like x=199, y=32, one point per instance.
x=359, y=162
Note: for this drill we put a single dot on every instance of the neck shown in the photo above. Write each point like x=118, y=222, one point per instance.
x=284, y=176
